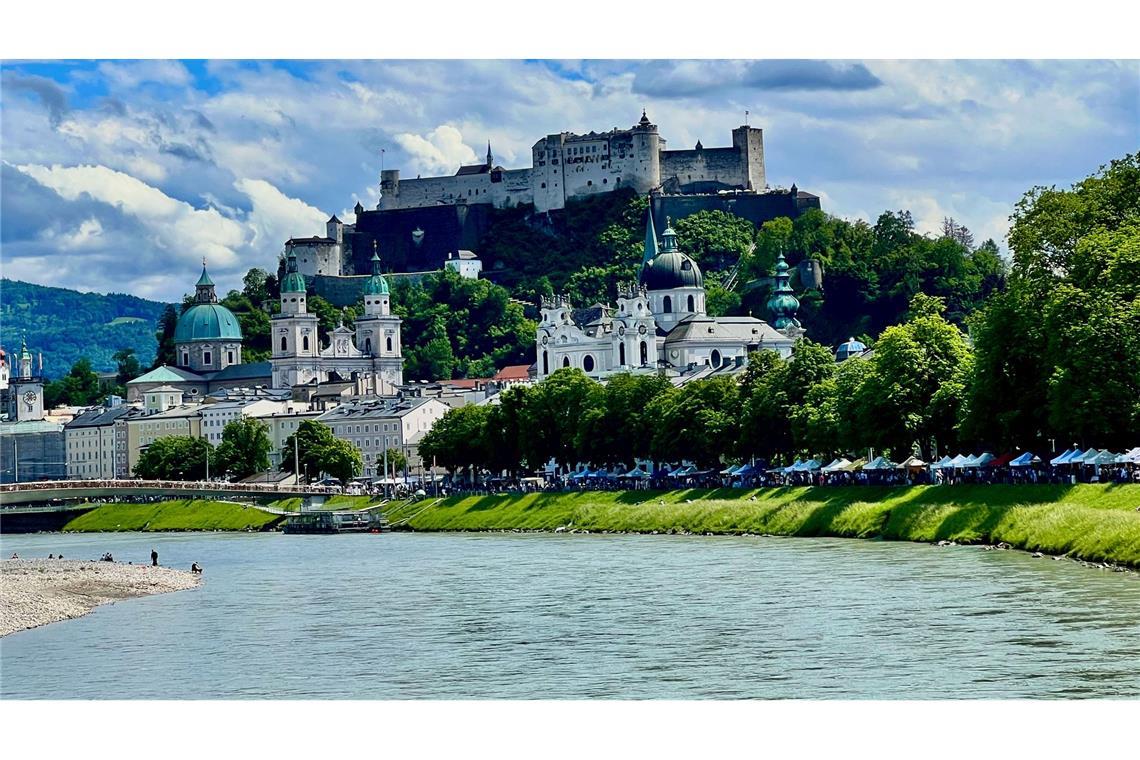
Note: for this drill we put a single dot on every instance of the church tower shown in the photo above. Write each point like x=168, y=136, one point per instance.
x=296, y=341
x=378, y=330
x=25, y=391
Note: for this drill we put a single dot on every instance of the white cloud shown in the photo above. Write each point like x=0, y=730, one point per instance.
x=133, y=73
x=275, y=217
x=181, y=231
x=442, y=151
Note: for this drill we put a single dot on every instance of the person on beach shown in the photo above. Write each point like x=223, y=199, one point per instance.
x=15, y=556
x=51, y=556
x=153, y=558
x=196, y=568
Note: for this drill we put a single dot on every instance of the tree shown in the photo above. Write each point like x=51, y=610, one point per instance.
x=167, y=324
x=244, y=449
x=715, y=239
x=176, y=458
x=697, y=422
x=553, y=412
x=456, y=439
x=341, y=460
x=957, y=232
x=79, y=387
x=920, y=373
x=128, y=365
x=396, y=460
x=319, y=450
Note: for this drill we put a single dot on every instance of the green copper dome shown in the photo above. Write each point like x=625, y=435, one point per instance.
x=207, y=321
x=376, y=284
x=294, y=281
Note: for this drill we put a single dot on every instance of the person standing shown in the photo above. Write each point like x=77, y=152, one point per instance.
x=153, y=558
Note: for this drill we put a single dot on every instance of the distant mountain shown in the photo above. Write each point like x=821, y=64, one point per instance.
x=65, y=325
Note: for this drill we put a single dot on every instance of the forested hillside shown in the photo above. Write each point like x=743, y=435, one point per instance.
x=66, y=325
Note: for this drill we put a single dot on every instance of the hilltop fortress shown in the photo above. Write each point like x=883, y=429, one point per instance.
x=568, y=165
x=423, y=225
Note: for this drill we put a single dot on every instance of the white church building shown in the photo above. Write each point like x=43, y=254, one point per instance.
x=660, y=323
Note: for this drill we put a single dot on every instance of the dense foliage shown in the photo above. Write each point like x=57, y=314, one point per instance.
x=1058, y=353
x=176, y=458
x=318, y=451
x=457, y=327
x=65, y=325
x=244, y=449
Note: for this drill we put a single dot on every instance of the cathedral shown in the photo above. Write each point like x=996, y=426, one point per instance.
x=660, y=322
x=370, y=351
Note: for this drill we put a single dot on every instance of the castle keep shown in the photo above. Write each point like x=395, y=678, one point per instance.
x=568, y=165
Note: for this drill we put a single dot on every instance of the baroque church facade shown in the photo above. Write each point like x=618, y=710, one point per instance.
x=372, y=350
x=660, y=322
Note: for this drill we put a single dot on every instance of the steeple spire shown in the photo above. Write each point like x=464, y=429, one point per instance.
x=490, y=158
x=204, y=288
x=668, y=237
x=783, y=304
x=650, y=240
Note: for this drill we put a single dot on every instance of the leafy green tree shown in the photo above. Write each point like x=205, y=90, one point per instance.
x=167, y=323
x=765, y=427
x=699, y=422
x=553, y=412
x=397, y=462
x=455, y=441
x=715, y=239
x=244, y=449
x=311, y=437
x=79, y=387
x=341, y=460
x=128, y=365
x=176, y=458
x=920, y=374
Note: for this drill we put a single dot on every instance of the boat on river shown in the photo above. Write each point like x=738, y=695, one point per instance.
x=329, y=521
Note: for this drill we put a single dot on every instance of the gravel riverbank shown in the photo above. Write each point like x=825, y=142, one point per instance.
x=35, y=592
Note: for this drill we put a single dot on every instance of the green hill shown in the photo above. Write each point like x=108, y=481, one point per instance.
x=66, y=325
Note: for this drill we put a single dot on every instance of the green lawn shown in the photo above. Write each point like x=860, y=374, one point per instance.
x=1094, y=522
x=183, y=514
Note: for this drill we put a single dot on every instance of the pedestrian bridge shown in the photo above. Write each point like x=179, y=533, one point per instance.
x=45, y=495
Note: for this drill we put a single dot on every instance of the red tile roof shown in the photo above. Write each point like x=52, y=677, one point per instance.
x=513, y=372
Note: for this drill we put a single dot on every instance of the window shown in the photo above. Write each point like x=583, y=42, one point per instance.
x=691, y=304
x=545, y=363
x=389, y=343
x=284, y=344
x=305, y=342
x=589, y=183
x=207, y=358
x=368, y=345
x=566, y=361
x=185, y=358
x=716, y=358
x=667, y=305
x=644, y=353
x=621, y=354
x=588, y=363
x=230, y=357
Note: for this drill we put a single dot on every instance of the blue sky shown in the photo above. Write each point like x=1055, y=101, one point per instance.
x=122, y=175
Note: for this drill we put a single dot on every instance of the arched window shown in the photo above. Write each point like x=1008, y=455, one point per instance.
x=692, y=304
x=284, y=344
x=667, y=305
x=389, y=343
x=304, y=342
x=644, y=353
x=621, y=354
x=715, y=358
x=588, y=363
x=566, y=361
x=368, y=345
x=546, y=362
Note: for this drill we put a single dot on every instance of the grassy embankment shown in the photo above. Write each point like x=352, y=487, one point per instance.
x=196, y=514
x=1092, y=522
x=183, y=514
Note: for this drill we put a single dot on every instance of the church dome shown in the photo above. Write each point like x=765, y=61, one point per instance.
x=376, y=286
x=294, y=282
x=207, y=321
x=851, y=348
x=669, y=270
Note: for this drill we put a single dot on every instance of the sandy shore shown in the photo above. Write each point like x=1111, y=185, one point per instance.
x=36, y=592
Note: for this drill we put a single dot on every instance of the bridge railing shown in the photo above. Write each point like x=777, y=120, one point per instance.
x=167, y=485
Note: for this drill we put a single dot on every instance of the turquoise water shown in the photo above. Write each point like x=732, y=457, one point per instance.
x=518, y=616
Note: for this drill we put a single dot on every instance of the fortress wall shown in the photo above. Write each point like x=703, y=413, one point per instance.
x=432, y=191
x=707, y=165
x=318, y=258
x=514, y=188
x=758, y=208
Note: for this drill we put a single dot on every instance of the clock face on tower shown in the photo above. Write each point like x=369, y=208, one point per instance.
x=30, y=398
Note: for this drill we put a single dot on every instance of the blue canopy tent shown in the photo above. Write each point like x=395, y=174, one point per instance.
x=942, y=463
x=1025, y=460
x=880, y=463
x=1066, y=458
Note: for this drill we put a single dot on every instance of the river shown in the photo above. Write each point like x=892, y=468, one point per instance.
x=543, y=616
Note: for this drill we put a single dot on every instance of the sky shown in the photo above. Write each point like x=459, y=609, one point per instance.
x=121, y=176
